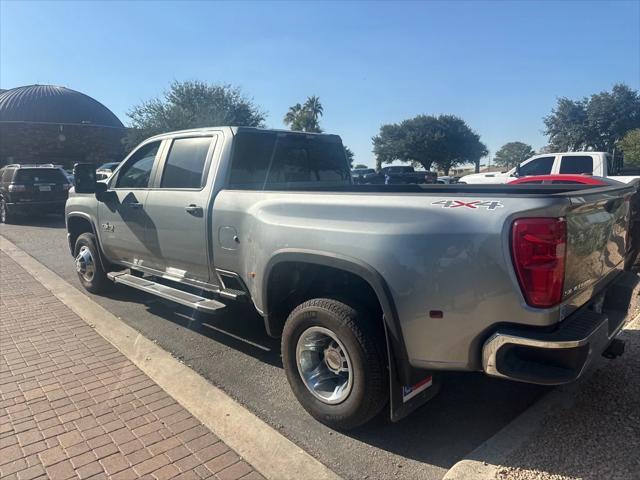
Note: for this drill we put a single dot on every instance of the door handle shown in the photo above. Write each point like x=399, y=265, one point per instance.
x=134, y=205
x=193, y=209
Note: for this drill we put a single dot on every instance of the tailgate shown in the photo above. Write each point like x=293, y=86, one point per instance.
x=597, y=227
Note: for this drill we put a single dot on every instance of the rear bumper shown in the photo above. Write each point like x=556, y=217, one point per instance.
x=561, y=356
x=44, y=207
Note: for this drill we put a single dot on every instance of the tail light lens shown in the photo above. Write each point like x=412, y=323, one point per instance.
x=538, y=247
x=14, y=187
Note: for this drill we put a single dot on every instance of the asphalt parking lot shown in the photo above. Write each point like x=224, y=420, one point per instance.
x=232, y=351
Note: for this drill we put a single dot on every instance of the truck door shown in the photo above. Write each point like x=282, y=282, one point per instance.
x=121, y=216
x=177, y=207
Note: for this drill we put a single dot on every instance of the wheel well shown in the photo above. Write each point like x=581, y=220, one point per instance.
x=76, y=226
x=291, y=283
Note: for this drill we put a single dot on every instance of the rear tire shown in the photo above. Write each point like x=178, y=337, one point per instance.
x=88, y=266
x=324, y=336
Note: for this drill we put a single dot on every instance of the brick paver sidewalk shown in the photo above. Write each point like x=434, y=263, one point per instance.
x=72, y=406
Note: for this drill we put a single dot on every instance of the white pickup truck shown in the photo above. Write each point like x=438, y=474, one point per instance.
x=592, y=163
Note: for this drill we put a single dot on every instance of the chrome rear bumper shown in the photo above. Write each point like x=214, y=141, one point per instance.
x=560, y=356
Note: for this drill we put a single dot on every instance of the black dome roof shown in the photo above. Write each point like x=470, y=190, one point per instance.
x=52, y=104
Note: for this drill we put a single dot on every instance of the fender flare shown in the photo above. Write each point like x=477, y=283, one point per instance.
x=393, y=332
x=89, y=219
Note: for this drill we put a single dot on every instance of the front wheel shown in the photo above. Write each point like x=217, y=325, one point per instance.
x=88, y=267
x=335, y=360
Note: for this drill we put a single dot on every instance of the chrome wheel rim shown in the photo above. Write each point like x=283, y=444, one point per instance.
x=85, y=265
x=324, y=365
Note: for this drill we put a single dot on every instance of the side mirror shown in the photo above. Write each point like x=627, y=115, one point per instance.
x=84, y=178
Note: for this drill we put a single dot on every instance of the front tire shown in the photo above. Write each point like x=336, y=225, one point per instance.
x=88, y=266
x=335, y=360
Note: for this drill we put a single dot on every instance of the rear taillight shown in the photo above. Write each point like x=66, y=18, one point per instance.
x=538, y=247
x=14, y=187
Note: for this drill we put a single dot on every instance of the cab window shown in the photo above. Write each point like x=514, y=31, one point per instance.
x=577, y=164
x=185, y=163
x=539, y=166
x=136, y=173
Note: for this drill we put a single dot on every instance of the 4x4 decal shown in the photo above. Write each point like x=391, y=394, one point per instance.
x=473, y=204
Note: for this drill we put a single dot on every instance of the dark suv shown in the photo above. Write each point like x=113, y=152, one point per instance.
x=32, y=189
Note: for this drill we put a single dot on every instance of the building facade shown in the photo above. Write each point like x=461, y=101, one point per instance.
x=51, y=124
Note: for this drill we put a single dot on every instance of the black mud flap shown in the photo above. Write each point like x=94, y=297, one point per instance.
x=405, y=399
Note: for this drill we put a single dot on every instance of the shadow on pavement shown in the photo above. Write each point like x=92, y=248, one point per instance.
x=439, y=433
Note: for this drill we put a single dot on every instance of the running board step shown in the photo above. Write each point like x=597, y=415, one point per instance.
x=233, y=294
x=196, y=302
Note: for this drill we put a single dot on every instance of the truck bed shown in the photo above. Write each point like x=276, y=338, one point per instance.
x=439, y=189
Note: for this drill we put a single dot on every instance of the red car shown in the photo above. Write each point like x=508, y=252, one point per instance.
x=564, y=178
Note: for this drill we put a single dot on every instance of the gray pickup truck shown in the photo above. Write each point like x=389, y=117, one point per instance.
x=373, y=289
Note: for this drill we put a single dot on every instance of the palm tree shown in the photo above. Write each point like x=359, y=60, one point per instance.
x=314, y=107
x=305, y=117
x=293, y=114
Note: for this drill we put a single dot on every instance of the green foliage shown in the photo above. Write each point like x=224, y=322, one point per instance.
x=596, y=122
x=192, y=104
x=512, y=153
x=360, y=165
x=426, y=140
x=630, y=146
x=305, y=117
x=349, y=154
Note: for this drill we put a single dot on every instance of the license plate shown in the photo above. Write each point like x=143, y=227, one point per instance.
x=45, y=188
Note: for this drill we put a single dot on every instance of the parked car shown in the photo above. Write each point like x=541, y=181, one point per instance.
x=599, y=164
x=446, y=180
x=31, y=189
x=365, y=175
x=374, y=289
x=564, y=179
x=403, y=175
x=105, y=170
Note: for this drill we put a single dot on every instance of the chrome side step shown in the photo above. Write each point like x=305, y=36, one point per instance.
x=232, y=294
x=196, y=302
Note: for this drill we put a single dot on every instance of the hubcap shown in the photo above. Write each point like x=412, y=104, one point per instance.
x=84, y=264
x=324, y=365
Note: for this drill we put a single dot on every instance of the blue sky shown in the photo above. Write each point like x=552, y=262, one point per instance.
x=498, y=65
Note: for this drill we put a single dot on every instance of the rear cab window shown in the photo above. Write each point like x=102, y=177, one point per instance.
x=281, y=160
x=577, y=164
x=185, y=164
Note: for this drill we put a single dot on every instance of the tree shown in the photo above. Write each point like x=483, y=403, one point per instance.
x=305, y=117
x=426, y=140
x=349, y=154
x=594, y=123
x=630, y=146
x=513, y=153
x=360, y=165
x=192, y=104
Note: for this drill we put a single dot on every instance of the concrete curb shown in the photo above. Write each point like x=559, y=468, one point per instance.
x=272, y=454
x=484, y=462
